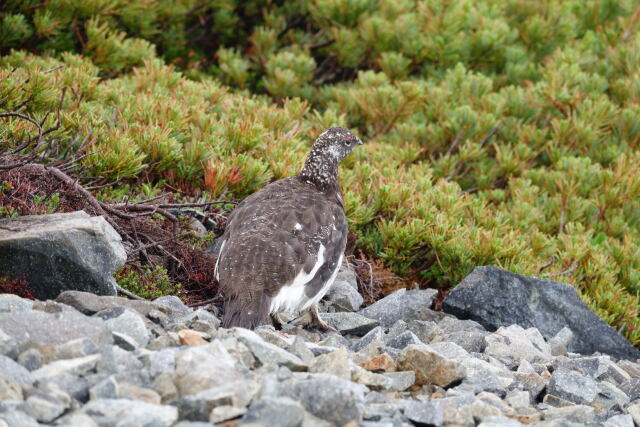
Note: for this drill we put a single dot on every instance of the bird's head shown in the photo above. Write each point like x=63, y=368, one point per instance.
x=336, y=142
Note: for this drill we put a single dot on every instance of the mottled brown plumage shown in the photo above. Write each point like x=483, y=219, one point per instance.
x=283, y=244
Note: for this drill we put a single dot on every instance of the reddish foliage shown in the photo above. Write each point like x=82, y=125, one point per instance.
x=18, y=287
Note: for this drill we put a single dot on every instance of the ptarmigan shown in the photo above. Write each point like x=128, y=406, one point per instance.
x=283, y=245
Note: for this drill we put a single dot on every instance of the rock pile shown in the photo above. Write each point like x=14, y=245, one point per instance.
x=105, y=361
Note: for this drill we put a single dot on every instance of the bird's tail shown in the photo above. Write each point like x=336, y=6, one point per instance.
x=245, y=313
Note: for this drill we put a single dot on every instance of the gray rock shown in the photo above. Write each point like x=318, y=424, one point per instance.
x=609, y=397
x=61, y=251
x=163, y=361
x=17, y=418
x=9, y=346
x=572, y=386
x=346, y=274
x=561, y=342
x=430, y=366
x=331, y=399
x=14, y=372
x=426, y=330
x=634, y=411
x=335, y=363
x=77, y=366
x=198, y=407
x=76, y=419
x=401, y=380
x=632, y=388
x=427, y=413
x=54, y=328
x=400, y=305
x=10, y=302
x=274, y=411
x=10, y=390
x=513, y=343
x=203, y=367
x=130, y=323
x=79, y=347
x=499, y=421
x=350, y=323
x=31, y=359
x=577, y=413
x=126, y=412
x=344, y=297
x=75, y=386
x=374, y=336
x=471, y=341
x=48, y=404
x=369, y=379
x=173, y=303
x=403, y=340
x=450, y=324
x=496, y=298
x=450, y=350
x=224, y=413
x=89, y=304
x=266, y=352
x=300, y=349
x=619, y=421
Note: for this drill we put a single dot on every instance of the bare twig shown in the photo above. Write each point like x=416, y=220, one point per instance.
x=454, y=143
x=123, y=291
x=544, y=267
x=569, y=270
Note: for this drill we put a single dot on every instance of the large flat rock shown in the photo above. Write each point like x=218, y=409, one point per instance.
x=496, y=298
x=58, y=252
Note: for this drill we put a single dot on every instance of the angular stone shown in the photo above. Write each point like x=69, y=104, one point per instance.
x=426, y=330
x=344, y=297
x=430, y=366
x=13, y=372
x=115, y=360
x=482, y=376
x=198, y=407
x=513, y=343
x=89, y=303
x=129, y=323
x=499, y=421
x=450, y=324
x=48, y=404
x=576, y=413
x=10, y=390
x=400, y=305
x=61, y=251
x=331, y=399
x=619, y=421
x=401, y=380
x=42, y=328
x=631, y=388
x=518, y=398
x=300, y=349
x=77, y=366
x=203, y=367
x=450, y=350
x=428, y=413
x=124, y=412
x=471, y=341
x=223, y=413
x=609, y=397
x=572, y=386
x=163, y=384
x=380, y=363
x=497, y=298
x=374, y=337
x=403, y=340
x=267, y=353
x=350, y=323
x=10, y=302
x=17, y=418
x=371, y=380
x=274, y=411
x=79, y=347
x=191, y=338
x=561, y=342
x=335, y=363
x=634, y=411
x=173, y=304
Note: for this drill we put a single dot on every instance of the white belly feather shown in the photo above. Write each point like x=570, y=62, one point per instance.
x=292, y=297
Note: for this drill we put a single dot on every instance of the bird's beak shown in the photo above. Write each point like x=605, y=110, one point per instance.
x=358, y=142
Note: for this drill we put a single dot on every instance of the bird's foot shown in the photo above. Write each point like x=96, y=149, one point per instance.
x=277, y=321
x=317, y=323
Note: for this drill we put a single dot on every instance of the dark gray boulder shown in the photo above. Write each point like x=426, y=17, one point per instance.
x=495, y=298
x=62, y=251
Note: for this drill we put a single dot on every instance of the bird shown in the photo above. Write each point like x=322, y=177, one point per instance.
x=284, y=244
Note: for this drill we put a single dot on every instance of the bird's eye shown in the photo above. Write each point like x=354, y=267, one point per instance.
x=349, y=142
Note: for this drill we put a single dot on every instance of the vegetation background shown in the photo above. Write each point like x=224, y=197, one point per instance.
x=502, y=132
